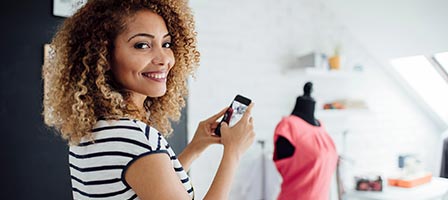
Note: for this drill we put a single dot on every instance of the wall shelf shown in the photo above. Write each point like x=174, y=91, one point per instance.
x=342, y=113
x=331, y=73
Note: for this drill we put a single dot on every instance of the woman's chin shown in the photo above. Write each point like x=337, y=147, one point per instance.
x=157, y=93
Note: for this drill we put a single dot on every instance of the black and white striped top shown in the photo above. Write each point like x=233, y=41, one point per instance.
x=97, y=168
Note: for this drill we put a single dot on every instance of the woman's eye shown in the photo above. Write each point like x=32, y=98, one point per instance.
x=141, y=45
x=167, y=45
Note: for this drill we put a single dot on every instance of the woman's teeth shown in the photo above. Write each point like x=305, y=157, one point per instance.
x=155, y=75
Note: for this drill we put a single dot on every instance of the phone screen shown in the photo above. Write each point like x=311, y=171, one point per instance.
x=238, y=110
x=235, y=112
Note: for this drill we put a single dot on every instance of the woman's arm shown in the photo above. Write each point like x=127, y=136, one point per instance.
x=153, y=177
x=236, y=141
x=222, y=182
x=188, y=155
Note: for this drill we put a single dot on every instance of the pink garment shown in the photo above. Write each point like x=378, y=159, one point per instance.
x=307, y=173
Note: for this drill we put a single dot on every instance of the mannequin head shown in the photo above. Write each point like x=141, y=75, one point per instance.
x=307, y=89
x=305, y=104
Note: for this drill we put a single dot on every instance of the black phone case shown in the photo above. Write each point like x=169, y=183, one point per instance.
x=229, y=112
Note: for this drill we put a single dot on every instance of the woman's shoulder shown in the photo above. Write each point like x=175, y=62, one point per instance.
x=124, y=128
x=121, y=123
x=122, y=131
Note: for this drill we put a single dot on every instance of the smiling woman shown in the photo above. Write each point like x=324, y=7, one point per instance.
x=116, y=77
x=83, y=85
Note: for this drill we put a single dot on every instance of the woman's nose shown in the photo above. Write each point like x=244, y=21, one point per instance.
x=161, y=57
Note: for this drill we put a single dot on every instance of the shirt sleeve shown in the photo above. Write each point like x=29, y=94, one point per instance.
x=283, y=129
x=149, y=141
x=283, y=147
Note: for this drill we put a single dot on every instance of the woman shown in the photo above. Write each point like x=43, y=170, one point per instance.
x=116, y=75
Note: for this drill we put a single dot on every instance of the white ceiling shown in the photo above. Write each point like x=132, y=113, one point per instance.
x=394, y=28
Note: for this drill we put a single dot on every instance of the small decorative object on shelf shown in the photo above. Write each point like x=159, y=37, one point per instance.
x=334, y=105
x=358, y=68
x=411, y=172
x=365, y=183
x=313, y=60
x=410, y=181
x=335, y=60
x=345, y=104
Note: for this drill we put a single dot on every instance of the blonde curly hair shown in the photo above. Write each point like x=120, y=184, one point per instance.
x=79, y=87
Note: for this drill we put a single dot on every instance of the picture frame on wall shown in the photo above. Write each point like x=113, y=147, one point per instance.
x=48, y=53
x=66, y=8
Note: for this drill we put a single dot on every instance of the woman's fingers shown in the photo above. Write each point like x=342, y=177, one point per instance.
x=214, y=124
x=246, y=115
x=224, y=126
x=217, y=115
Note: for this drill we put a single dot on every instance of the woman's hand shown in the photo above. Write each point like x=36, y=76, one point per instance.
x=203, y=138
x=205, y=135
x=238, y=138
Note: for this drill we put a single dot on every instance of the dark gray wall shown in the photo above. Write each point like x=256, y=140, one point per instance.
x=178, y=140
x=34, y=161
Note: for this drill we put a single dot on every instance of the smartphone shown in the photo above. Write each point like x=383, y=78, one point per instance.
x=234, y=113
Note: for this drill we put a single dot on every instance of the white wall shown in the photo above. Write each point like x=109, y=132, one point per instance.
x=247, y=47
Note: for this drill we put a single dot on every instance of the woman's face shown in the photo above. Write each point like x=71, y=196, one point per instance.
x=143, y=57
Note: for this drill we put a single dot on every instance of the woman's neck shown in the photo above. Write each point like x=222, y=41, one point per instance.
x=138, y=100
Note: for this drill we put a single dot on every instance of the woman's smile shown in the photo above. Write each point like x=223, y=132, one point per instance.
x=158, y=76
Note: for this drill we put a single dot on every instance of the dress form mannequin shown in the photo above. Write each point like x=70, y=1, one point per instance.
x=304, y=152
x=304, y=109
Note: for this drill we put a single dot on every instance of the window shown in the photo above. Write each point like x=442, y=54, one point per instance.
x=442, y=59
x=422, y=76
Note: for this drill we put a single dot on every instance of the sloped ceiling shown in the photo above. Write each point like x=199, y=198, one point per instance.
x=394, y=28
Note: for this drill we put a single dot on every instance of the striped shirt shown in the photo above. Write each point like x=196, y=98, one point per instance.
x=97, y=168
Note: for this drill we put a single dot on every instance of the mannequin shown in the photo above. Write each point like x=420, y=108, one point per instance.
x=304, y=153
x=304, y=109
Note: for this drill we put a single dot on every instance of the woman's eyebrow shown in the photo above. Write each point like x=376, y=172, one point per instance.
x=146, y=35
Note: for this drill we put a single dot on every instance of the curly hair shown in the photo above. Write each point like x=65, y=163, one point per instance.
x=79, y=87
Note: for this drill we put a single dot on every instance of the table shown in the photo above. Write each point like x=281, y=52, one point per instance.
x=437, y=189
